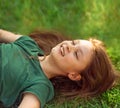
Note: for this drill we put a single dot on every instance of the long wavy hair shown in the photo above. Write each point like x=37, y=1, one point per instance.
x=97, y=77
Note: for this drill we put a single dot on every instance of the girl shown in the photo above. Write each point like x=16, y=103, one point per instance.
x=31, y=67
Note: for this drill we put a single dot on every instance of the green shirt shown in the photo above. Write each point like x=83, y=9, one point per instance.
x=21, y=72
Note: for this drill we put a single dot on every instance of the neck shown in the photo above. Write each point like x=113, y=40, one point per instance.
x=49, y=68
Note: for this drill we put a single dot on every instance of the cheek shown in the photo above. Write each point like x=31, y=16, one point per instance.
x=85, y=61
x=65, y=62
x=69, y=58
x=62, y=60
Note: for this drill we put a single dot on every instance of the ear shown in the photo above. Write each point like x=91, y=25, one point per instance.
x=74, y=76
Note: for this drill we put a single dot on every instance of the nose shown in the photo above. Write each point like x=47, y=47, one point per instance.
x=72, y=48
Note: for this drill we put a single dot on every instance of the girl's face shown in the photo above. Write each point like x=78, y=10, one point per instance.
x=72, y=56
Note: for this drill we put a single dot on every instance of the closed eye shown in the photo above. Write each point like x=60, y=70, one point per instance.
x=73, y=42
x=75, y=53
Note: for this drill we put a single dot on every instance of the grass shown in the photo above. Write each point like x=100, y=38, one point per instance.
x=109, y=99
x=77, y=18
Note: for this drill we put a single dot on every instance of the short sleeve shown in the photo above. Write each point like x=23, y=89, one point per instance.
x=42, y=92
x=27, y=43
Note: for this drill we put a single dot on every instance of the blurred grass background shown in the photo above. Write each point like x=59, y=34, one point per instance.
x=75, y=18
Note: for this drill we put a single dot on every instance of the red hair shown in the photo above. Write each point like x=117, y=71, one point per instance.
x=97, y=77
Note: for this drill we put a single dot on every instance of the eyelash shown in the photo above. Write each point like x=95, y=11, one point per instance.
x=75, y=51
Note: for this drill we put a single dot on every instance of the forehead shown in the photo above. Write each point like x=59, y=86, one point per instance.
x=85, y=43
x=86, y=51
x=86, y=47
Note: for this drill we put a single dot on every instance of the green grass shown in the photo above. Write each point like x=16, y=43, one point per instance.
x=76, y=18
x=109, y=99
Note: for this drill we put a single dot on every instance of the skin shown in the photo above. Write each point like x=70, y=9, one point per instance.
x=67, y=59
x=29, y=100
